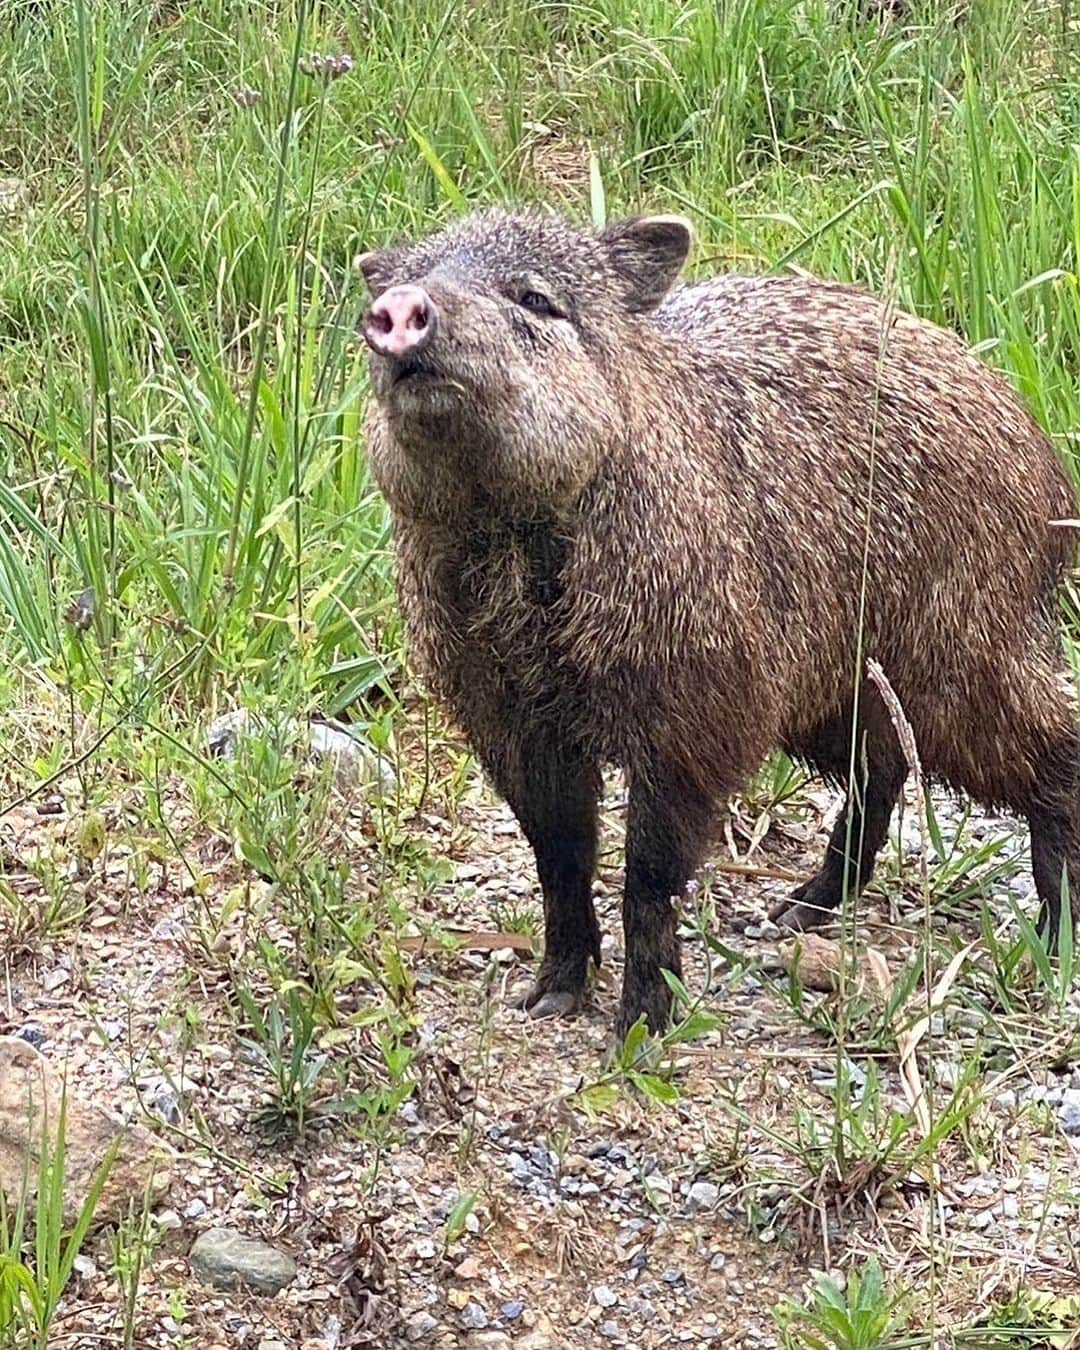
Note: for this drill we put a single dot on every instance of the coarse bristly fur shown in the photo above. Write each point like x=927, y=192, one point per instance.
x=664, y=528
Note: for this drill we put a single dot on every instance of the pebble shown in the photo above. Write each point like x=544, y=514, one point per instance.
x=473, y=1317
x=420, y=1325
x=604, y=1296
x=702, y=1195
x=610, y=1329
x=1069, y=1113
x=512, y=1311
x=166, y=1105
x=227, y=1258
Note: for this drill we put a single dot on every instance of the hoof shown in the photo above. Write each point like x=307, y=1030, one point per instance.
x=542, y=999
x=799, y=917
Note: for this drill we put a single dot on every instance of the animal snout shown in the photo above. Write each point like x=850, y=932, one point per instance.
x=401, y=322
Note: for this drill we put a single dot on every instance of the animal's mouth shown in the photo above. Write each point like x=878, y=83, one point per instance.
x=414, y=373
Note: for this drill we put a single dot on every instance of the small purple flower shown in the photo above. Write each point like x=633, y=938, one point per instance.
x=247, y=97
x=326, y=68
x=692, y=886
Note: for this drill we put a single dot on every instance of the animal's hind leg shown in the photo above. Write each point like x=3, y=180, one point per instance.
x=1021, y=749
x=860, y=831
x=1055, y=830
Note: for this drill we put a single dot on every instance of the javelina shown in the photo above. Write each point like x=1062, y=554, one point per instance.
x=663, y=528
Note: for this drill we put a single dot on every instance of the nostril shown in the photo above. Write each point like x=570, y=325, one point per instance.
x=380, y=320
x=419, y=317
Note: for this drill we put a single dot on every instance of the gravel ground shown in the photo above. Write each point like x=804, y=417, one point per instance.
x=495, y=1210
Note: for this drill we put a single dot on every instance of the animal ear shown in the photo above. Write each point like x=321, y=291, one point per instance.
x=376, y=267
x=648, y=254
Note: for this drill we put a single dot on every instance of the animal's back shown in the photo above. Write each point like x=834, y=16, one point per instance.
x=861, y=431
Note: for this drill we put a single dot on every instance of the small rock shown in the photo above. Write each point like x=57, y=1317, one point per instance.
x=226, y=1258
x=350, y=758
x=32, y=1097
x=14, y=196
x=491, y=1340
x=603, y=1296
x=420, y=1325
x=702, y=1196
x=824, y=965
x=673, y=1276
x=167, y=1106
x=196, y=1208
x=610, y=1329
x=32, y=1034
x=54, y=979
x=512, y=1311
x=474, y=1317
x=1069, y=1115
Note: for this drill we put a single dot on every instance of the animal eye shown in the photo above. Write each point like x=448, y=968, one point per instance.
x=539, y=304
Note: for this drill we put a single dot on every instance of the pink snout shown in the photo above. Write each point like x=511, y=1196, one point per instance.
x=401, y=322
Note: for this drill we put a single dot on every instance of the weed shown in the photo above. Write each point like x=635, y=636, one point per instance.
x=860, y=1315
x=644, y=1063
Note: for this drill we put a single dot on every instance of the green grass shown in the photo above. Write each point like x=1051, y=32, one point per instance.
x=180, y=390
x=186, y=516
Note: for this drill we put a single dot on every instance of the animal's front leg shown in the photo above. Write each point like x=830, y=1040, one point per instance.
x=666, y=833
x=553, y=790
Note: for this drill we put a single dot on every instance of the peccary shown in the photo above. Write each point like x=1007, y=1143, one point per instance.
x=664, y=527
